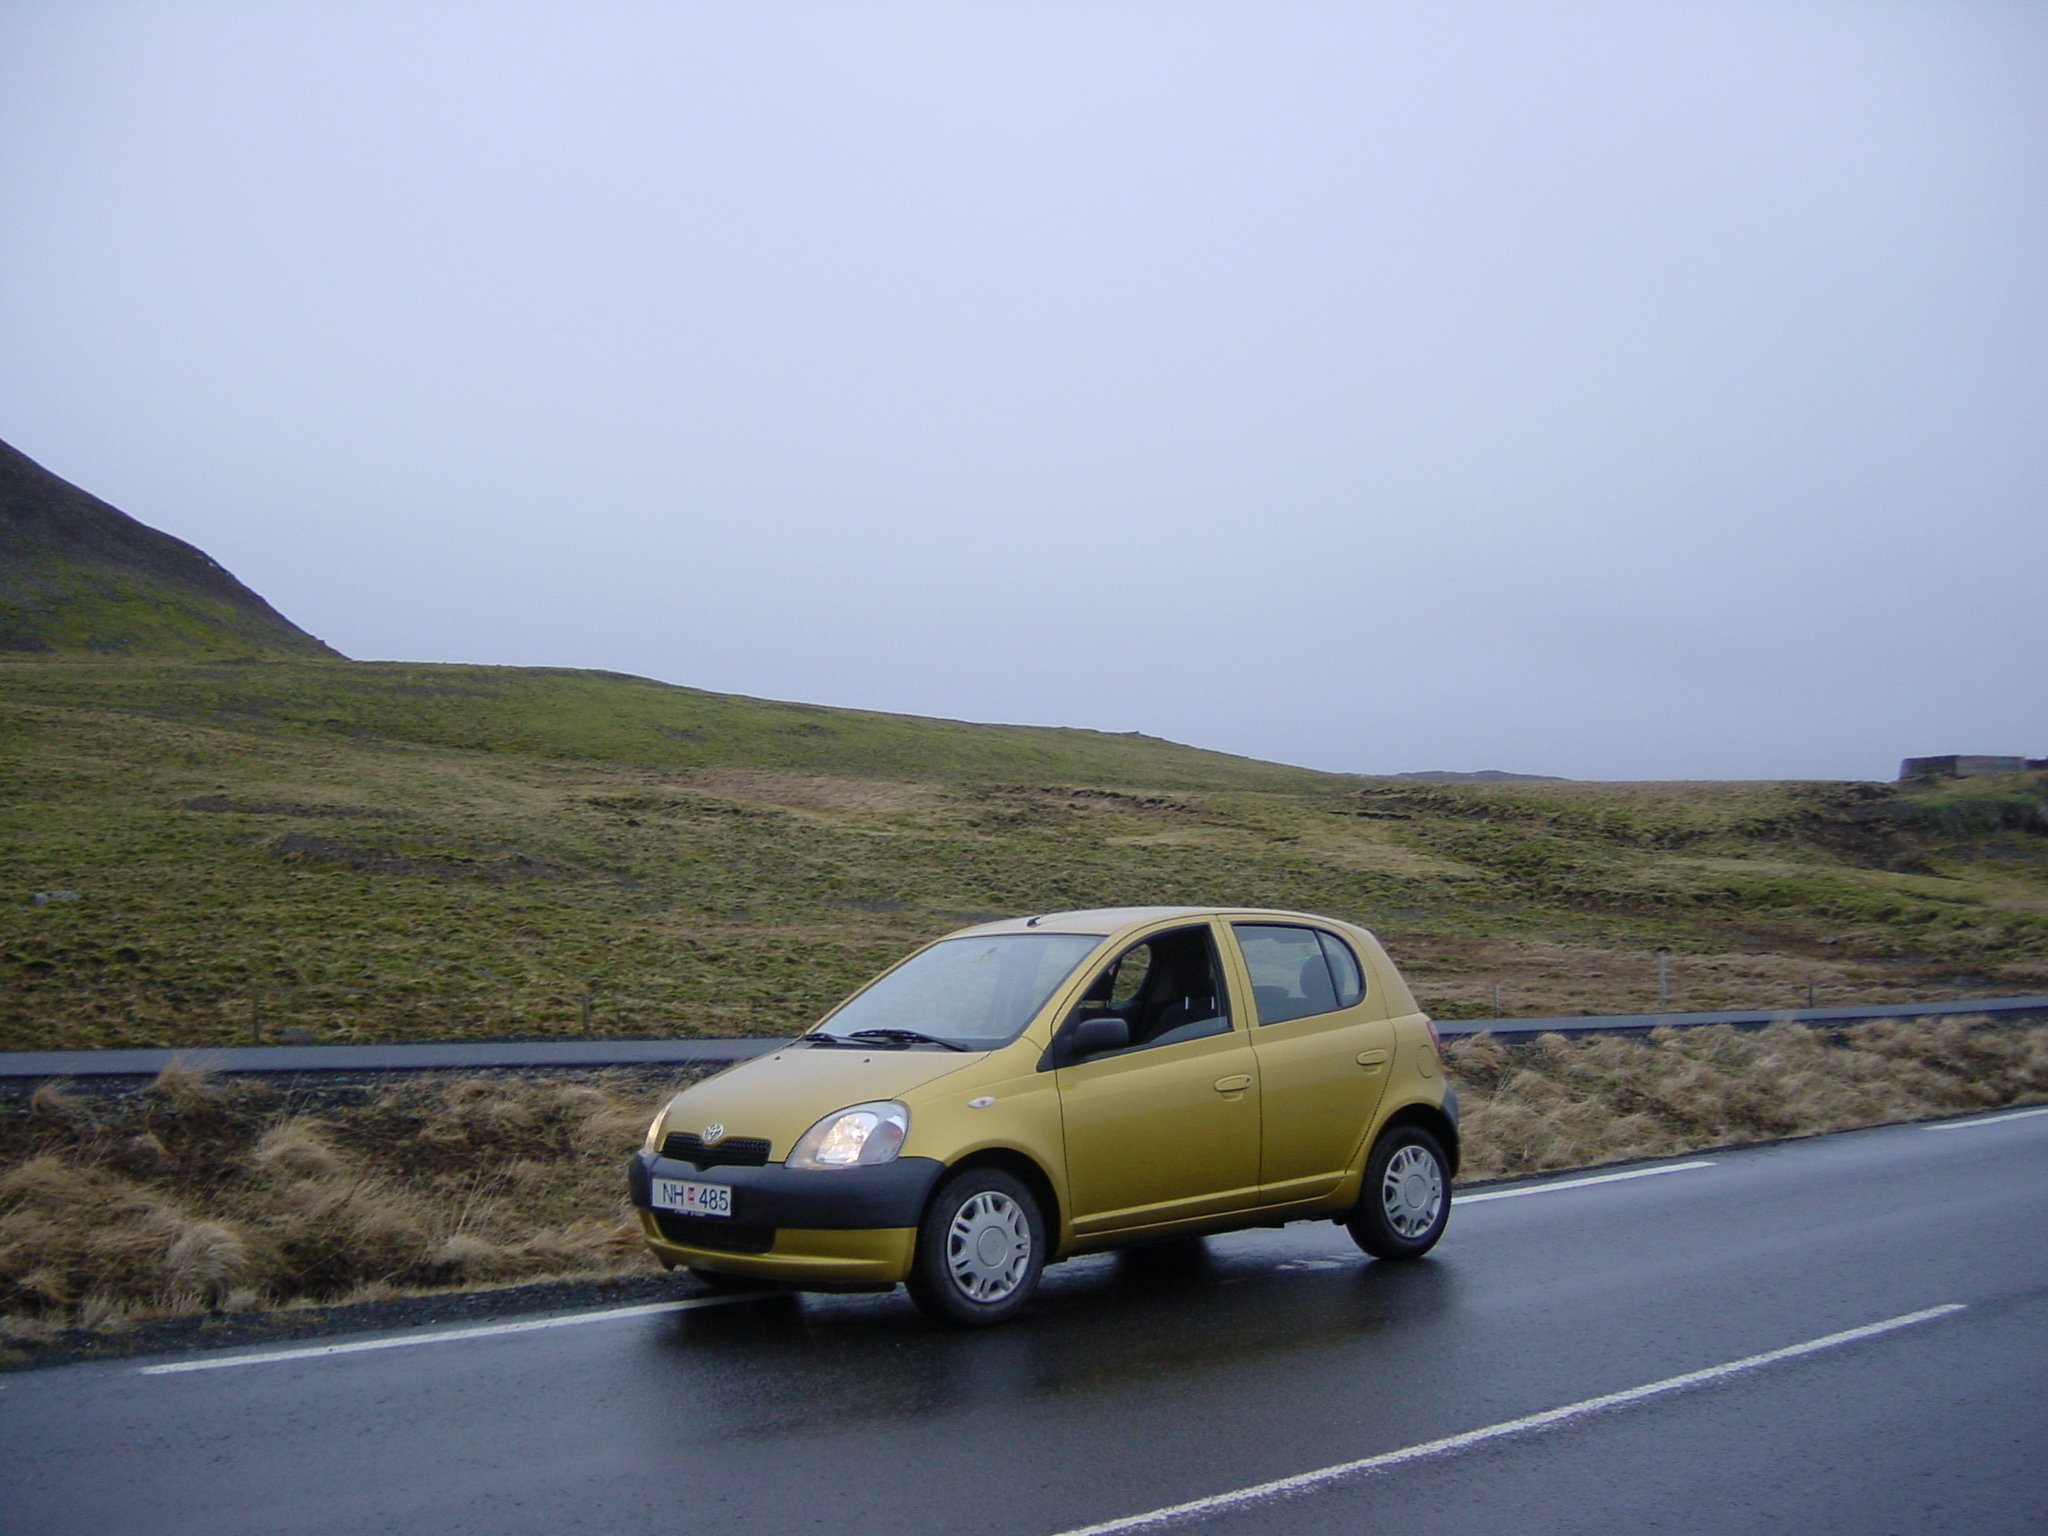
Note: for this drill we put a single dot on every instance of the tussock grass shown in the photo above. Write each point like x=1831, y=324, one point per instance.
x=1558, y=1102
x=200, y=1194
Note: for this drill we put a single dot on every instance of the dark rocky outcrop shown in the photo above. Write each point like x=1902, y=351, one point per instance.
x=78, y=576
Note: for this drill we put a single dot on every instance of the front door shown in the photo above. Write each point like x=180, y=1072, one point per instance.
x=1167, y=1128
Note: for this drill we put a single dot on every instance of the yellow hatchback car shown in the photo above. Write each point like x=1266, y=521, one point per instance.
x=1024, y=1091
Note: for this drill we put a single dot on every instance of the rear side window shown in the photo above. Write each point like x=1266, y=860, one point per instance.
x=1297, y=972
x=1344, y=971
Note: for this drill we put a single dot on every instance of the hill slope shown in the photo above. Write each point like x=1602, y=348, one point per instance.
x=79, y=576
x=230, y=830
x=387, y=851
x=562, y=712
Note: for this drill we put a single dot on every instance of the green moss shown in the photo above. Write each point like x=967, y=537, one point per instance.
x=73, y=610
x=1960, y=809
x=384, y=851
x=607, y=717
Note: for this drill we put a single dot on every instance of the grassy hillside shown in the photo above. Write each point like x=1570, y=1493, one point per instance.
x=372, y=851
x=80, y=577
x=606, y=717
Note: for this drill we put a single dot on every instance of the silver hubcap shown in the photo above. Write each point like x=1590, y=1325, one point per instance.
x=1412, y=1191
x=988, y=1246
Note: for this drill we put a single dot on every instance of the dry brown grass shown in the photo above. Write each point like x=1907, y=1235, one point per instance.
x=203, y=1194
x=1566, y=1103
x=1456, y=978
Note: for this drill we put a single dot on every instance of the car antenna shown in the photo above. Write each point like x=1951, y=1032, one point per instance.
x=1033, y=922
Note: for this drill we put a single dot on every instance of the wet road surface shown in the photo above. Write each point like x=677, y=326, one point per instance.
x=1141, y=1381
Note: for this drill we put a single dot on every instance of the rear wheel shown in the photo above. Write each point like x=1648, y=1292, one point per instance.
x=979, y=1250
x=1406, y=1198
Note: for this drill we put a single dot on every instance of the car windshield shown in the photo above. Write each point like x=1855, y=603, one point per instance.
x=976, y=992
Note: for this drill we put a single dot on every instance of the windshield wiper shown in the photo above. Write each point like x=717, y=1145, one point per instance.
x=865, y=1039
x=906, y=1037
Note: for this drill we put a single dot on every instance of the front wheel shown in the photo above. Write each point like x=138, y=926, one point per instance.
x=1406, y=1198
x=979, y=1250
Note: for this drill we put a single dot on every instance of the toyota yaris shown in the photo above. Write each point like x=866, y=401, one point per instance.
x=1024, y=1091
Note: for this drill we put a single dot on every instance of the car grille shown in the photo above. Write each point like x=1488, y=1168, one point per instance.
x=710, y=1232
x=733, y=1152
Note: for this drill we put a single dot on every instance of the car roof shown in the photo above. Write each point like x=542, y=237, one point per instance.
x=1108, y=920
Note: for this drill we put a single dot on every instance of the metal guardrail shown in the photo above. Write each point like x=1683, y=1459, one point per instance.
x=460, y=1055
x=1746, y=1018
x=426, y=1056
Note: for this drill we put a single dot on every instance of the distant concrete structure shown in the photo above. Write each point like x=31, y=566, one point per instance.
x=1965, y=767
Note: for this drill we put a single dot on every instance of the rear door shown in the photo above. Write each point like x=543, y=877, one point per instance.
x=1325, y=1049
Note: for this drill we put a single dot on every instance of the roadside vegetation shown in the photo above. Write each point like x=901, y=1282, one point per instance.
x=1558, y=1102
x=199, y=1194
x=211, y=852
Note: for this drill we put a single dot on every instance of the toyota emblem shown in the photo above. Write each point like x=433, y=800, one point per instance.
x=714, y=1133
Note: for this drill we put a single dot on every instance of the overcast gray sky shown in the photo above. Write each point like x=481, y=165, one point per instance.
x=1630, y=390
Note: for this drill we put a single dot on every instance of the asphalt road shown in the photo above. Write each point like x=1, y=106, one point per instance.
x=1144, y=1381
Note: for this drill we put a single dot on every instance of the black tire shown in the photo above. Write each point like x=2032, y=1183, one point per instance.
x=980, y=1249
x=1406, y=1197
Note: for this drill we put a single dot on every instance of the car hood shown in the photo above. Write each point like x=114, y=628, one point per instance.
x=781, y=1096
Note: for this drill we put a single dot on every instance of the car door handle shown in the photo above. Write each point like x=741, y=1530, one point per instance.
x=1237, y=1082
x=1372, y=1061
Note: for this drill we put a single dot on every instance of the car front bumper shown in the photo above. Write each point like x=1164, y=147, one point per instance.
x=870, y=1258
x=845, y=1226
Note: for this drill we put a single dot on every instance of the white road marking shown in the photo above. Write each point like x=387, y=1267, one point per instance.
x=445, y=1335
x=1543, y=1189
x=1971, y=1125
x=1302, y=1482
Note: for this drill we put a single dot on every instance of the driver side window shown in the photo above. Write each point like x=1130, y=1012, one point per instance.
x=1166, y=989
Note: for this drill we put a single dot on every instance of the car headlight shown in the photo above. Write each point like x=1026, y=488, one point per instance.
x=653, y=1141
x=858, y=1137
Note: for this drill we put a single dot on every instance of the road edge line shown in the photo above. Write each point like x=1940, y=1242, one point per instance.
x=1301, y=1482
x=444, y=1336
x=1545, y=1188
x=1971, y=1125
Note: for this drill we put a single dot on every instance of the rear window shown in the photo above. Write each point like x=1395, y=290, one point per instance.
x=1297, y=971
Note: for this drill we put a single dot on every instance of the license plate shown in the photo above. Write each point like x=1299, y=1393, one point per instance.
x=689, y=1198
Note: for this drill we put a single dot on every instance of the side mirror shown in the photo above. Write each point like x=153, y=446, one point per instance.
x=1091, y=1037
